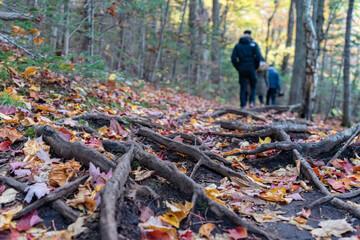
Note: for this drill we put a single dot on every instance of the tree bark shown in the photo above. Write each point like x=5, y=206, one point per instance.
x=347, y=91
x=290, y=32
x=11, y=16
x=268, y=29
x=67, y=25
x=193, y=67
x=298, y=73
x=215, y=76
x=177, y=40
x=160, y=41
x=311, y=75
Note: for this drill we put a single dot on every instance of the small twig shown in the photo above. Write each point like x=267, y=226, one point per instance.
x=345, y=146
x=51, y=197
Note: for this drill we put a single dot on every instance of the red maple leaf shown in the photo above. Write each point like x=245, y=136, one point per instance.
x=238, y=233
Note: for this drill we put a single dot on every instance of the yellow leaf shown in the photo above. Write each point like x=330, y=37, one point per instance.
x=205, y=230
x=176, y=213
x=0, y=2
x=211, y=120
x=35, y=88
x=194, y=122
x=213, y=194
x=107, y=47
x=39, y=40
x=266, y=140
x=18, y=31
x=103, y=129
x=29, y=71
x=112, y=77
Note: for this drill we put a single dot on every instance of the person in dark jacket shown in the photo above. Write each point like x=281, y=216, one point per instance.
x=246, y=58
x=274, y=85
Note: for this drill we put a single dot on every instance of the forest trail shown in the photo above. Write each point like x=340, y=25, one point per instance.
x=125, y=160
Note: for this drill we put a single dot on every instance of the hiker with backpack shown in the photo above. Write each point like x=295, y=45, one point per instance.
x=246, y=59
x=274, y=86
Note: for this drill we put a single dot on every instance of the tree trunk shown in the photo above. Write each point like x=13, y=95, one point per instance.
x=67, y=25
x=142, y=49
x=346, y=121
x=193, y=63
x=215, y=76
x=177, y=40
x=298, y=73
x=311, y=69
x=268, y=29
x=91, y=6
x=290, y=32
x=205, y=70
x=160, y=41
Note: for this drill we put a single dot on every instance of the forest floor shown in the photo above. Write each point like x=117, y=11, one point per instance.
x=91, y=159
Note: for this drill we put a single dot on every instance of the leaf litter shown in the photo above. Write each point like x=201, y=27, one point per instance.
x=276, y=199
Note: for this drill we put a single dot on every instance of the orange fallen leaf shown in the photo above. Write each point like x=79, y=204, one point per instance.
x=176, y=213
x=61, y=173
x=18, y=31
x=300, y=220
x=29, y=72
x=205, y=230
x=10, y=133
x=46, y=107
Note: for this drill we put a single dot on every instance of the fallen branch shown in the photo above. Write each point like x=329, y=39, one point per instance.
x=187, y=185
x=110, y=194
x=11, y=16
x=345, y=145
x=70, y=150
x=278, y=108
x=234, y=125
x=58, y=205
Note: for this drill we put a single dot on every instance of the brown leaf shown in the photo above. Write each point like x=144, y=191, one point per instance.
x=205, y=230
x=10, y=133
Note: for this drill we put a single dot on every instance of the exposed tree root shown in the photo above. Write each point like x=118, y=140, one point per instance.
x=58, y=205
x=52, y=196
x=193, y=152
x=124, y=120
x=184, y=183
x=308, y=149
x=345, y=145
x=110, y=194
x=287, y=127
x=277, y=108
x=77, y=150
x=191, y=138
x=237, y=112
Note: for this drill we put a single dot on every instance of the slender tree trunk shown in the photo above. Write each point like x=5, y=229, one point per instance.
x=160, y=41
x=122, y=46
x=268, y=29
x=298, y=73
x=203, y=50
x=67, y=25
x=290, y=32
x=215, y=76
x=177, y=40
x=194, y=30
x=223, y=36
x=91, y=6
x=346, y=121
x=142, y=49
x=311, y=77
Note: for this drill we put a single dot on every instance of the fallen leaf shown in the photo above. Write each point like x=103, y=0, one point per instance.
x=38, y=189
x=27, y=221
x=8, y=196
x=185, y=235
x=146, y=213
x=176, y=213
x=46, y=107
x=10, y=133
x=5, y=146
x=296, y=197
x=331, y=228
x=305, y=213
x=142, y=174
x=77, y=227
x=205, y=230
x=62, y=173
x=300, y=220
x=238, y=233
